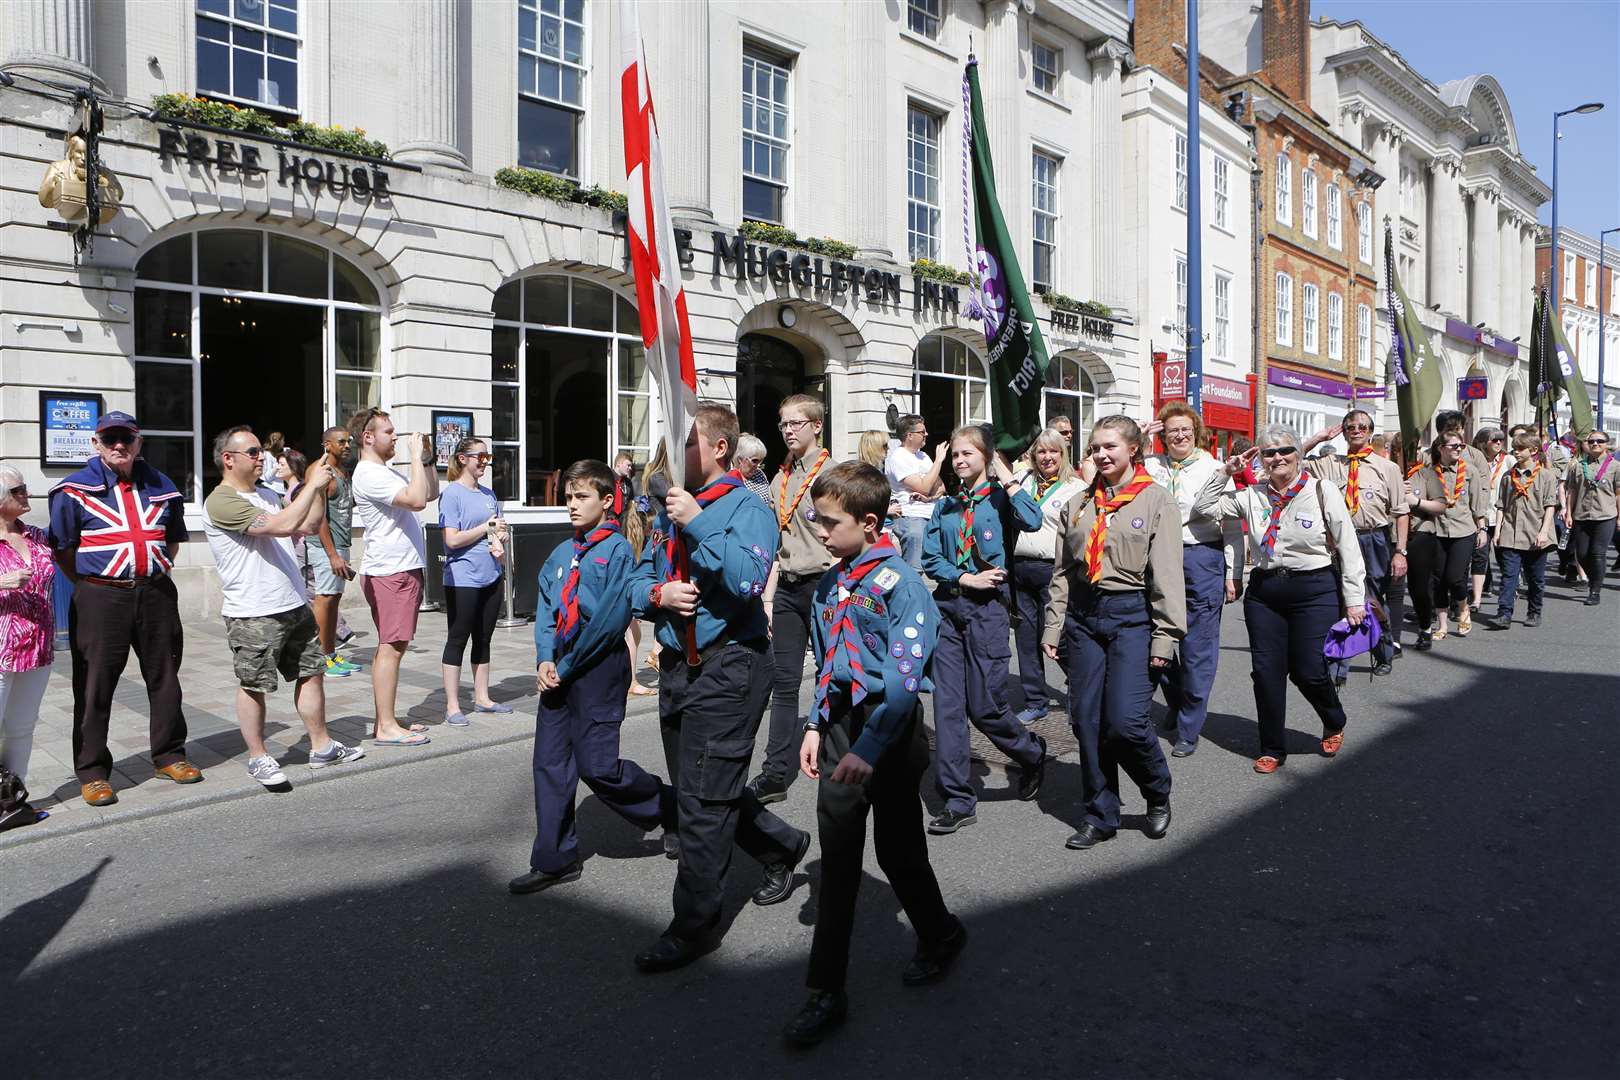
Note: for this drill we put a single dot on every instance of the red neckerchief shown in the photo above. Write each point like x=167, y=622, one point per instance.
x=674, y=550
x=568, y=621
x=1455, y=493
x=618, y=496
x=1352, y=487
x=964, y=531
x=1139, y=482
x=843, y=635
x=1530, y=481
x=784, y=512
x=1279, y=503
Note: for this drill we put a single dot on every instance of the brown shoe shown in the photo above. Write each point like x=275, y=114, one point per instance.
x=181, y=772
x=97, y=793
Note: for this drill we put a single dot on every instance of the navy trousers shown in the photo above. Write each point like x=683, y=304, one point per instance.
x=1031, y=587
x=709, y=716
x=1187, y=682
x=1288, y=617
x=1375, y=553
x=1110, y=691
x=576, y=737
x=1534, y=565
x=970, y=683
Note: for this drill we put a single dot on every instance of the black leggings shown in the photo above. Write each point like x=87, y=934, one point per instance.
x=1590, y=544
x=1438, y=572
x=472, y=611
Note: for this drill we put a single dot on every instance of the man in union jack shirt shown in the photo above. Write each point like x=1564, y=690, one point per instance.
x=115, y=527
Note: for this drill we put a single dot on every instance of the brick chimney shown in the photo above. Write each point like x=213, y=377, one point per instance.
x=1160, y=25
x=1285, y=33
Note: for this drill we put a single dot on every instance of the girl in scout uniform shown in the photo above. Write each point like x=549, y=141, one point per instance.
x=1050, y=480
x=1450, y=500
x=1528, y=498
x=1590, y=509
x=1118, y=595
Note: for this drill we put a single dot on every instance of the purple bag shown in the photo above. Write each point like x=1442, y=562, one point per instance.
x=1344, y=641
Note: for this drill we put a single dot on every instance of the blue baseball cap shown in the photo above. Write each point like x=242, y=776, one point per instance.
x=117, y=419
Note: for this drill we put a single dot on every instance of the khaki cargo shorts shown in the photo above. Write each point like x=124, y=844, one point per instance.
x=263, y=645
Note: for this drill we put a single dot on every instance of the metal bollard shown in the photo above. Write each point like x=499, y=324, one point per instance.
x=509, y=619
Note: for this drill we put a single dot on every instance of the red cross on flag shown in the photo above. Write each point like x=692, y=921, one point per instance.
x=660, y=296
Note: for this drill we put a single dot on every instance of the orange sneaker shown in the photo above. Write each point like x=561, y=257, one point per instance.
x=1267, y=764
x=1331, y=744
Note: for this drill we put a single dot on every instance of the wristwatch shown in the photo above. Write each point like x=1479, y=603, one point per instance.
x=1401, y=552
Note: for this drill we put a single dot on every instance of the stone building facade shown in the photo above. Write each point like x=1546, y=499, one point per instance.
x=1590, y=312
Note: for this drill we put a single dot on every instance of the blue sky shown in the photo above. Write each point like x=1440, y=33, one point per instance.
x=1548, y=55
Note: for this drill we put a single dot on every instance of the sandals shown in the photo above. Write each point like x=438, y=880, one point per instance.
x=637, y=690
x=1465, y=622
x=1332, y=744
x=1438, y=635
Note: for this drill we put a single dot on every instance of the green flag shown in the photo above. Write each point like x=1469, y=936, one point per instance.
x=1541, y=385
x=1017, y=355
x=1553, y=369
x=1412, y=367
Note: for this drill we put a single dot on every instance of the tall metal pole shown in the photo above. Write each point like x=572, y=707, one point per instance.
x=1195, y=215
x=1557, y=267
x=1603, y=322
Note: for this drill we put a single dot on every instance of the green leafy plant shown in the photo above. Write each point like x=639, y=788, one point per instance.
x=222, y=114
x=544, y=185
x=762, y=232
x=1059, y=302
x=934, y=271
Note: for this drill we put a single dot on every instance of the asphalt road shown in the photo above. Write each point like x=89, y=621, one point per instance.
x=1437, y=902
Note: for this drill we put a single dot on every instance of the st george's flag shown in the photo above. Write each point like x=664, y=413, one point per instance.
x=1412, y=367
x=1015, y=349
x=661, y=297
x=1554, y=371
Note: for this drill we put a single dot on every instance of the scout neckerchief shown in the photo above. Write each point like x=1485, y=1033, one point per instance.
x=1279, y=503
x=1529, y=481
x=1502, y=463
x=1586, y=469
x=784, y=512
x=1352, y=487
x=1456, y=491
x=843, y=635
x=964, y=532
x=1105, y=507
x=1044, y=489
x=1175, y=470
x=618, y=496
x=568, y=622
x=674, y=550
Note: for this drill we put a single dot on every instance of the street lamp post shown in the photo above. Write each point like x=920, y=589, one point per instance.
x=1557, y=266
x=1602, y=313
x=1195, y=222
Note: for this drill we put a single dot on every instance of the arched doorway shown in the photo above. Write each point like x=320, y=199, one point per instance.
x=952, y=386
x=248, y=326
x=770, y=369
x=1071, y=392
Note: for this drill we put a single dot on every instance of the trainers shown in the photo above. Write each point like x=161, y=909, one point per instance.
x=345, y=662
x=265, y=770
x=345, y=637
x=336, y=669
x=335, y=754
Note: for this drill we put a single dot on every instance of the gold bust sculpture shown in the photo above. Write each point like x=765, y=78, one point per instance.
x=63, y=188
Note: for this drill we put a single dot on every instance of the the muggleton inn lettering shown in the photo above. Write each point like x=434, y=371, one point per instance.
x=312, y=174
x=735, y=257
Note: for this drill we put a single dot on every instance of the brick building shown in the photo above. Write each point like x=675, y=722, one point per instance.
x=1589, y=309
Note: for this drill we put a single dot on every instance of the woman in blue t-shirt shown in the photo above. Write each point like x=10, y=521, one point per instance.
x=474, y=543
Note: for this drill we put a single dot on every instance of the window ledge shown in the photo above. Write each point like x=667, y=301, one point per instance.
x=1224, y=229
x=1041, y=95
x=928, y=43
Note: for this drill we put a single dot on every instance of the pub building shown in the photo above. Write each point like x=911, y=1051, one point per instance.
x=250, y=277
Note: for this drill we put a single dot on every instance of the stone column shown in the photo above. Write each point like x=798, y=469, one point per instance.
x=677, y=42
x=1107, y=281
x=431, y=100
x=1002, y=85
x=866, y=170
x=50, y=39
x=1446, y=237
x=1483, y=285
x=1512, y=301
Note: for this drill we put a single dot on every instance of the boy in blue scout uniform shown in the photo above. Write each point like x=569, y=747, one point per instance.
x=583, y=675
x=873, y=628
x=965, y=551
x=699, y=580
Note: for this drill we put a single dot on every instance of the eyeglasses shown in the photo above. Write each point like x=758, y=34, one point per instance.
x=1278, y=451
x=1179, y=434
x=787, y=426
x=254, y=452
x=18, y=492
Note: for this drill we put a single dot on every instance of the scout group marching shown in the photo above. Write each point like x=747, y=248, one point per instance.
x=900, y=574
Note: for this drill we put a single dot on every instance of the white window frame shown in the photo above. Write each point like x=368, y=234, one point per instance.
x=1181, y=296
x=231, y=23
x=1569, y=275
x=1335, y=326
x=1285, y=309
x=1309, y=315
x=753, y=58
x=1085, y=392
x=1044, y=177
x=1364, y=234
x=1307, y=202
x=538, y=57
x=925, y=18
x=968, y=386
x=1181, y=171
x=1037, y=70
x=1335, y=227
x=1223, y=316
x=1363, y=336
x=1284, y=210
x=923, y=213
x=1223, y=201
x=1589, y=297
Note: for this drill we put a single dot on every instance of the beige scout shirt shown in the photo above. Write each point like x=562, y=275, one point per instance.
x=799, y=552
x=1519, y=525
x=1184, y=484
x=1460, y=518
x=1501, y=465
x=1591, y=499
x=1141, y=550
x=1042, y=543
x=1379, y=481
x=1302, y=534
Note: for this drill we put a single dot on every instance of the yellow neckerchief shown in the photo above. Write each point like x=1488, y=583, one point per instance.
x=1175, y=468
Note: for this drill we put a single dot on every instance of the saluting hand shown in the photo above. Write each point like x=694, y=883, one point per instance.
x=1235, y=465
x=809, y=754
x=681, y=506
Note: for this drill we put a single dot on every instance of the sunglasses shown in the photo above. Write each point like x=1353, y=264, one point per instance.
x=254, y=452
x=1597, y=442
x=117, y=437
x=18, y=492
x=482, y=459
x=1278, y=451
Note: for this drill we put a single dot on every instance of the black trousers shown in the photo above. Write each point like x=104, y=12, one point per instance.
x=104, y=623
x=890, y=797
x=1031, y=588
x=790, y=636
x=1590, y=543
x=1438, y=568
x=1288, y=617
x=472, y=611
x=1375, y=556
x=709, y=716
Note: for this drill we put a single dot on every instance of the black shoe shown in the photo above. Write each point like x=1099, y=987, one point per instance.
x=778, y=883
x=668, y=953
x=1383, y=667
x=817, y=1018
x=672, y=844
x=767, y=789
x=950, y=821
x=1593, y=598
x=931, y=962
x=536, y=880
x=1184, y=749
x=1532, y=620
x=1029, y=780
x=1088, y=836
x=1158, y=821
x=1425, y=641
x=1496, y=622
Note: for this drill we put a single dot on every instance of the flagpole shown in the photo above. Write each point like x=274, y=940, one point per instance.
x=1195, y=260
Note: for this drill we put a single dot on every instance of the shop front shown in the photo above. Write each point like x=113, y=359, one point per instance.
x=1309, y=402
x=1228, y=404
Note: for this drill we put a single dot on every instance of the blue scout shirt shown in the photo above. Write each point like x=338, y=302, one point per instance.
x=604, y=603
x=121, y=530
x=989, y=545
x=731, y=545
x=898, y=626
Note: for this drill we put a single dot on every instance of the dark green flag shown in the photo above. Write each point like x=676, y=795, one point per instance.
x=1017, y=354
x=1412, y=367
x=1554, y=370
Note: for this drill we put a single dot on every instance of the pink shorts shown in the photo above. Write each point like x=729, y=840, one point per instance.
x=394, y=599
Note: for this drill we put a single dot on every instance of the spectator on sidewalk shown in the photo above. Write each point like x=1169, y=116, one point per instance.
x=328, y=553
x=268, y=623
x=115, y=527
x=749, y=460
x=27, y=623
x=396, y=555
x=275, y=448
x=914, y=483
x=474, y=545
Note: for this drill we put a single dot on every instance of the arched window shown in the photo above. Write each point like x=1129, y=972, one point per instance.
x=952, y=388
x=247, y=326
x=1071, y=392
x=568, y=381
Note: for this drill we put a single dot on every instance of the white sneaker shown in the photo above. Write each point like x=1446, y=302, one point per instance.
x=336, y=754
x=266, y=771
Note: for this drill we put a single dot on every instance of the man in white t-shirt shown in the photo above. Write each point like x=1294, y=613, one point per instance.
x=914, y=484
x=268, y=622
x=386, y=505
